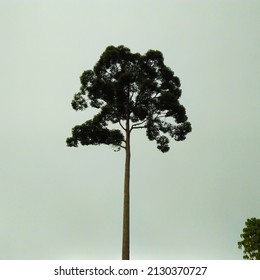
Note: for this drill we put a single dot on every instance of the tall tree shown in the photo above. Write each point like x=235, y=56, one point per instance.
x=133, y=91
x=251, y=239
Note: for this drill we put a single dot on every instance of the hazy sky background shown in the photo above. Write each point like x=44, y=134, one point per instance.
x=191, y=203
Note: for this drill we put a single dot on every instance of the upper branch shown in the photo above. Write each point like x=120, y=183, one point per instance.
x=137, y=125
x=121, y=125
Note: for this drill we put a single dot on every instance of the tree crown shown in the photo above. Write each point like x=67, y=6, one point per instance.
x=251, y=239
x=127, y=86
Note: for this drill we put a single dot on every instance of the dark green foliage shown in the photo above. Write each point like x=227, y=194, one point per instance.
x=126, y=86
x=92, y=133
x=251, y=239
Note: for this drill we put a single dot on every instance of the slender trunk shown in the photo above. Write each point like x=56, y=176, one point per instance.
x=126, y=212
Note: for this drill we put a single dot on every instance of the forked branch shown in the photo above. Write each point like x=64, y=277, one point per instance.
x=138, y=125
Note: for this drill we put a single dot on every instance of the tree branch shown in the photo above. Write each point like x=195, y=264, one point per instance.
x=137, y=125
x=121, y=125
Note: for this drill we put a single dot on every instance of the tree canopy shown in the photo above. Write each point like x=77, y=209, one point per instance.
x=133, y=87
x=251, y=239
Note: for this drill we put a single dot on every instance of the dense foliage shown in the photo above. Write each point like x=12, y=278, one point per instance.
x=251, y=239
x=133, y=88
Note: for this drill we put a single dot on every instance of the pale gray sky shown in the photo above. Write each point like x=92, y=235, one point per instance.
x=191, y=203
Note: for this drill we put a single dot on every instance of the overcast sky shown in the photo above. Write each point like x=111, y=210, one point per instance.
x=66, y=203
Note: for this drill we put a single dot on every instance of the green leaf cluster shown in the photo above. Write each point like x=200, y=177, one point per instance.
x=133, y=88
x=251, y=240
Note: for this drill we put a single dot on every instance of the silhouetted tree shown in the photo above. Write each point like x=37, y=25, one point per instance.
x=251, y=239
x=134, y=91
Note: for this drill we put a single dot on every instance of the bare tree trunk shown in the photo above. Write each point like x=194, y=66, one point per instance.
x=126, y=212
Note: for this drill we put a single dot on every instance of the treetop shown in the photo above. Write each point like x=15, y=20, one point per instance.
x=133, y=88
